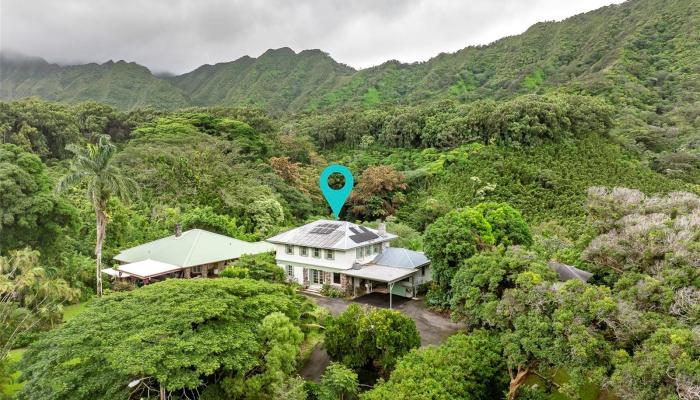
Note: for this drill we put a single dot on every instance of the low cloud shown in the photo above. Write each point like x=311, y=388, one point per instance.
x=179, y=35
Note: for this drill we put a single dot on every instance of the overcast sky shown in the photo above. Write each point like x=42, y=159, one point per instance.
x=179, y=35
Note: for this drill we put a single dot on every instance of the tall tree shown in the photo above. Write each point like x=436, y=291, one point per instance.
x=93, y=166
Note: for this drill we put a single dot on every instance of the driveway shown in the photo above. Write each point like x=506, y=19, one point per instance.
x=434, y=328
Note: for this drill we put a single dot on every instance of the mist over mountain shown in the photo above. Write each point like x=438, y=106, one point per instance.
x=647, y=49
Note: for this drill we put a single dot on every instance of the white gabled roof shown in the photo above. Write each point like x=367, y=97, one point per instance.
x=148, y=268
x=334, y=235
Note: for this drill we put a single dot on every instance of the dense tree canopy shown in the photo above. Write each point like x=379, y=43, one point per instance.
x=242, y=333
x=454, y=237
x=364, y=337
x=261, y=266
x=464, y=367
x=508, y=225
x=378, y=192
x=30, y=214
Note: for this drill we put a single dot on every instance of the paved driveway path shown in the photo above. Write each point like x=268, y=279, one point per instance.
x=434, y=328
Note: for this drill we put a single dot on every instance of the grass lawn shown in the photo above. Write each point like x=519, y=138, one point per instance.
x=14, y=387
x=69, y=312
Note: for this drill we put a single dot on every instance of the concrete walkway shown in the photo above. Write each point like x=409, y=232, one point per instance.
x=434, y=328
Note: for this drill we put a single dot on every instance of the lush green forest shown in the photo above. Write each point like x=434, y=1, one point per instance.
x=575, y=143
x=641, y=56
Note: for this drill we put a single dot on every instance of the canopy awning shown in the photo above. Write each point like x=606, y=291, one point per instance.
x=381, y=273
x=115, y=273
x=148, y=268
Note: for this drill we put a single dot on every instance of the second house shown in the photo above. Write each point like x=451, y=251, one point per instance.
x=350, y=257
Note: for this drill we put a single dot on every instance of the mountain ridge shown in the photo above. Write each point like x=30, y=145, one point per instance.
x=584, y=53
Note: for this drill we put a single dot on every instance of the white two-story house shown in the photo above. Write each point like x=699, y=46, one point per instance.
x=351, y=257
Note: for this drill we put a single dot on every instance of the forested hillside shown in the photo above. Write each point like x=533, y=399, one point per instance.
x=641, y=56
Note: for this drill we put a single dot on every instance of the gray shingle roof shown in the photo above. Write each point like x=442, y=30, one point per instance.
x=568, y=272
x=401, y=258
x=380, y=273
x=344, y=236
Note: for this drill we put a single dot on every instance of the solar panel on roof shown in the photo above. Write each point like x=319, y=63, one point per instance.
x=362, y=235
x=324, y=229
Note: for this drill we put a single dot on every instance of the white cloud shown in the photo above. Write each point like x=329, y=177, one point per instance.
x=179, y=35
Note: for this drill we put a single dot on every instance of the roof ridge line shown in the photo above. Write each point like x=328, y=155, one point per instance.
x=189, y=253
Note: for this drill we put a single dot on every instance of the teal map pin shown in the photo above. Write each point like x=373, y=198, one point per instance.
x=336, y=198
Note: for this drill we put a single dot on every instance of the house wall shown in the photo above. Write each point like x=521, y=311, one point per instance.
x=341, y=259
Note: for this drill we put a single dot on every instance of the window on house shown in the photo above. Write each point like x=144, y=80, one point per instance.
x=316, y=276
x=304, y=251
x=422, y=271
x=336, y=278
x=317, y=252
x=290, y=249
x=197, y=269
x=290, y=270
x=377, y=248
x=330, y=254
x=358, y=252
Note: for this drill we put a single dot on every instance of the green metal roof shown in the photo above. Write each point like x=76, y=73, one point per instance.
x=193, y=247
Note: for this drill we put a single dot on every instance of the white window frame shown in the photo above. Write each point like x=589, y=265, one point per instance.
x=289, y=249
x=330, y=254
x=289, y=270
x=316, y=252
x=319, y=276
x=303, y=251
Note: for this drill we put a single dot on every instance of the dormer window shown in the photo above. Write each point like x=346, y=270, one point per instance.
x=304, y=251
x=330, y=254
x=289, y=249
x=317, y=252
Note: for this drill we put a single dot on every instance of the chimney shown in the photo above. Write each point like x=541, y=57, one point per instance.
x=382, y=229
x=178, y=230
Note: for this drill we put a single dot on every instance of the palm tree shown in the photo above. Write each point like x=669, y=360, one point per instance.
x=93, y=164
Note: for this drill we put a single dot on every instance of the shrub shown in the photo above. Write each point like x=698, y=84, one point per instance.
x=464, y=367
x=260, y=266
x=508, y=225
x=330, y=291
x=364, y=337
x=454, y=237
x=338, y=383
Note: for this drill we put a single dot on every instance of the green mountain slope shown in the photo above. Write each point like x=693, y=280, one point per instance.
x=642, y=55
x=626, y=41
x=121, y=84
x=277, y=80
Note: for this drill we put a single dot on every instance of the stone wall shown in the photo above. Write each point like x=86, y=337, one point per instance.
x=346, y=284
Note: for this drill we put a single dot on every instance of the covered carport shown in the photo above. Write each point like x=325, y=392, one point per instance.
x=382, y=274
